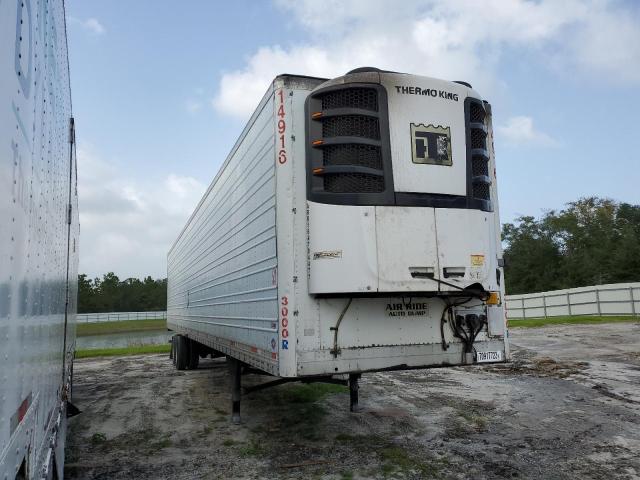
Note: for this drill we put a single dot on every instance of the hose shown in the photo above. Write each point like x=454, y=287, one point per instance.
x=335, y=350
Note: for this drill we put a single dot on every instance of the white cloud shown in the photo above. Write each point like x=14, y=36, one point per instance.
x=240, y=91
x=91, y=25
x=520, y=131
x=456, y=39
x=609, y=43
x=127, y=227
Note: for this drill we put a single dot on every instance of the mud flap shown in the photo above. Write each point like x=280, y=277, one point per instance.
x=72, y=410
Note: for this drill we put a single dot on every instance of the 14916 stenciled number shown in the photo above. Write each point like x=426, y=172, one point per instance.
x=282, y=128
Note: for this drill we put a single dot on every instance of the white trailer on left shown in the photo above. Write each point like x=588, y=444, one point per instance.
x=39, y=231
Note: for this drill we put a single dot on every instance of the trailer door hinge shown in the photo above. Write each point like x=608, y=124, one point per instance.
x=69, y=207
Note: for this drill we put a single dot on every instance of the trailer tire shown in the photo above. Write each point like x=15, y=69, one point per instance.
x=181, y=352
x=194, y=354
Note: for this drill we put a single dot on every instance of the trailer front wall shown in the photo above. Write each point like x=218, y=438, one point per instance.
x=38, y=237
x=222, y=269
x=351, y=331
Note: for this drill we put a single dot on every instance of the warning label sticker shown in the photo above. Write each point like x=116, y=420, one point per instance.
x=477, y=260
x=329, y=255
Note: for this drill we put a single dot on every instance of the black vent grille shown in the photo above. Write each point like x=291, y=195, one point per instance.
x=346, y=138
x=363, y=98
x=351, y=126
x=478, y=138
x=353, y=154
x=353, y=182
x=476, y=113
x=479, y=166
x=481, y=190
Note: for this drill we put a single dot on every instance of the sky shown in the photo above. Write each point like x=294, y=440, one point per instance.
x=162, y=89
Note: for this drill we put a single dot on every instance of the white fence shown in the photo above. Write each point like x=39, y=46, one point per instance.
x=612, y=299
x=118, y=316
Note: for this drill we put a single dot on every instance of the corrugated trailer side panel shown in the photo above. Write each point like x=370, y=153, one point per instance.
x=222, y=269
x=38, y=236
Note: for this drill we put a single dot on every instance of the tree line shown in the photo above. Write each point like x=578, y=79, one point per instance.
x=591, y=241
x=110, y=294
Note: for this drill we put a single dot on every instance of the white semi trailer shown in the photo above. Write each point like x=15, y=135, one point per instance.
x=353, y=228
x=38, y=239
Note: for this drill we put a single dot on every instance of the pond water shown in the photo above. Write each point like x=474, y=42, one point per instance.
x=118, y=340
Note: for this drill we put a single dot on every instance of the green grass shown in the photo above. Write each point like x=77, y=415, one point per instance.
x=98, y=438
x=294, y=411
x=111, y=352
x=358, y=442
x=397, y=460
x=311, y=392
x=587, y=319
x=164, y=442
x=396, y=457
x=252, y=449
x=124, y=326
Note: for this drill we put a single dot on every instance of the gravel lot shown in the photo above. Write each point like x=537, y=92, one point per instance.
x=568, y=406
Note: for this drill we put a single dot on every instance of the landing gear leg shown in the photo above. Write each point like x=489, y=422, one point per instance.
x=235, y=368
x=353, y=392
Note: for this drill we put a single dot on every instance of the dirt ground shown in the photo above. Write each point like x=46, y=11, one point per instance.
x=568, y=406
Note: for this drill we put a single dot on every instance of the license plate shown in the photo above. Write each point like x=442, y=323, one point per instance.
x=482, y=357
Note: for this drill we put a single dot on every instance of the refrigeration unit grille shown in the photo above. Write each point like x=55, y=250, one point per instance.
x=476, y=112
x=353, y=154
x=479, y=166
x=363, y=98
x=477, y=137
x=481, y=190
x=351, y=126
x=347, y=137
x=353, y=182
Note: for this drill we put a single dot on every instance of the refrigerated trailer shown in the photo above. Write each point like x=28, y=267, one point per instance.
x=353, y=228
x=38, y=239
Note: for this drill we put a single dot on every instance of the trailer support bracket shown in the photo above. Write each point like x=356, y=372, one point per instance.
x=235, y=368
x=353, y=392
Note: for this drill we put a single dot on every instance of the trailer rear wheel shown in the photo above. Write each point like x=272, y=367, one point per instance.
x=181, y=352
x=194, y=354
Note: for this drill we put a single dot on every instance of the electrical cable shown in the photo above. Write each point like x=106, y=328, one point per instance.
x=448, y=309
x=445, y=345
x=467, y=338
x=480, y=294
